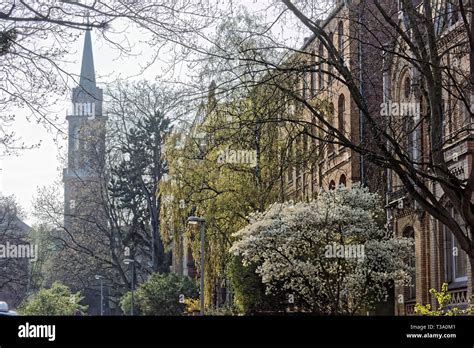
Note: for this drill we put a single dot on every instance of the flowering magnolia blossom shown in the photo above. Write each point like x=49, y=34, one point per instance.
x=289, y=244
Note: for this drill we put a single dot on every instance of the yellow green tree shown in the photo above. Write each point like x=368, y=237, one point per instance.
x=227, y=165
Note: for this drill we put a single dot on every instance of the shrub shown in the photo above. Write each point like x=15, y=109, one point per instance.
x=443, y=297
x=160, y=295
x=57, y=300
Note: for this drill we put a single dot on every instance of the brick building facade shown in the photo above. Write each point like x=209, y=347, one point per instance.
x=325, y=163
x=438, y=257
x=389, y=78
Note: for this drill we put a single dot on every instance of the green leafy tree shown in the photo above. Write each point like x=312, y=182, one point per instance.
x=249, y=291
x=57, y=300
x=229, y=163
x=209, y=180
x=160, y=295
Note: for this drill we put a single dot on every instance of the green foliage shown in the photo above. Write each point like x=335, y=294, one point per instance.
x=160, y=295
x=443, y=297
x=249, y=291
x=57, y=300
x=42, y=270
x=222, y=190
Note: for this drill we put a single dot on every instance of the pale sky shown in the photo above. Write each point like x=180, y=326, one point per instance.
x=21, y=175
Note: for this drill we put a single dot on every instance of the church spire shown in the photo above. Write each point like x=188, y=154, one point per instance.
x=87, y=95
x=87, y=79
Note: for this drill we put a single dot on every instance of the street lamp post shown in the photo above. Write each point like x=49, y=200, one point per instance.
x=99, y=277
x=132, y=263
x=195, y=220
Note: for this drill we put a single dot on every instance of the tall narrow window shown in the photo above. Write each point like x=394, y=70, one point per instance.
x=410, y=132
x=313, y=73
x=305, y=82
x=329, y=61
x=305, y=165
x=444, y=122
x=321, y=66
x=410, y=289
x=407, y=87
x=290, y=164
x=314, y=153
x=340, y=38
x=330, y=131
x=298, y=155
x=341, y=109
x=408, y=116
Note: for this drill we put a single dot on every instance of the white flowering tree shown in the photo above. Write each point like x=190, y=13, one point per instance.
x=332, y=254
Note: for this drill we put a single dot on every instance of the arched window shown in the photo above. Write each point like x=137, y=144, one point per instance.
x=321, y=64
x=342, y=181
x=340, y=38
x=332, y=185
x=341, y=109
x=410, y=289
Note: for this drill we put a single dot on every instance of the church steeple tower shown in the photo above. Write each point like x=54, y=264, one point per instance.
x=86, y=139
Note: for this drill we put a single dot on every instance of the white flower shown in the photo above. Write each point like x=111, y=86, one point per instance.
x=288, y=241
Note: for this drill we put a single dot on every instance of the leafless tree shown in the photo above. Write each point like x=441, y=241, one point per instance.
x=429, y=37
x=115, y=214
x=13, y=269
x=35, y=37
